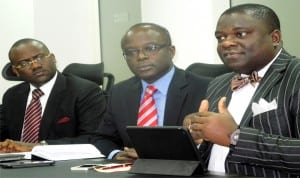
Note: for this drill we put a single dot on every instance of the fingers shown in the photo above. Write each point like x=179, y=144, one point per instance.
x=204, y=106
x=222, y=105
x=21, y=148
x=122, y=156
x=187, y=120
x=10, y=146
x=187, y=123
x=127, y=155
x=7, y=146
x=131, y=152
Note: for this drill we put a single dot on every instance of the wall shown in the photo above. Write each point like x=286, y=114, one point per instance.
x=288, y=14
x=70, y=28
x=116, y=16
x=191, y=24
x=16, y=21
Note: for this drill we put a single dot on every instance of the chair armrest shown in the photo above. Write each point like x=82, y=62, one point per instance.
x=110, y=80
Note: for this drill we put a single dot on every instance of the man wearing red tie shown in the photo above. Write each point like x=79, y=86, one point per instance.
x=159, y=94
x=48, y=107
x=250, y=120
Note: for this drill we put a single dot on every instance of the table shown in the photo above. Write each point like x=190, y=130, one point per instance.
x=61, y=169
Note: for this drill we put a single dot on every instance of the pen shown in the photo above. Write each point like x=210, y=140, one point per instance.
x=116, y=166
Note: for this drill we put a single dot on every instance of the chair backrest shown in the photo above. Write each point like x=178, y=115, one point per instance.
x=208, y=70
x=8, y=74
x=92, y=72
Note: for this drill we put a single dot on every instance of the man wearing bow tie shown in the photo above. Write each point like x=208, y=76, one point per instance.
x=234, y=136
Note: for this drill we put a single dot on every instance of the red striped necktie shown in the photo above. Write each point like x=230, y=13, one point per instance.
x=32, y=120
x=147, y=112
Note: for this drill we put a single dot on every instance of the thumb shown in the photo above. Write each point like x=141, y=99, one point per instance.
x=222, y=105
x=204, y=106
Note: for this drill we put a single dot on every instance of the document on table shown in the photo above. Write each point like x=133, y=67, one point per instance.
x=66, y=152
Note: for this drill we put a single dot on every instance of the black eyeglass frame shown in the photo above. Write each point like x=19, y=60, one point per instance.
x=148, y=50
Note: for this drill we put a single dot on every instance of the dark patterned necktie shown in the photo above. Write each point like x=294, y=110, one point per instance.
x=33, y=116
x=238, y=81
x=147, y=112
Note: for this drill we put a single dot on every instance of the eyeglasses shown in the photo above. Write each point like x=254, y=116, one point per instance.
x=148, y=50
x=28, y=62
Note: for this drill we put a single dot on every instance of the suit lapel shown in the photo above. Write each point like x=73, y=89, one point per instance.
x=132, y=101
x=175, y=97
x=273, y=75
x=53, y=105
x=218, y=88
x=21, y=98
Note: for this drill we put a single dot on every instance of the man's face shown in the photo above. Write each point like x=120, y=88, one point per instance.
x=244, y=43
x=33, y=63
x=149, y=55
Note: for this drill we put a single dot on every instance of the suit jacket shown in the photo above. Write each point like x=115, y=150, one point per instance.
x=185, y=92
x=269, y=143
x=75, y=107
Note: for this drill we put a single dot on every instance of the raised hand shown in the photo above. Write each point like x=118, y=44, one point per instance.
x=215, y=127
x=187, y=122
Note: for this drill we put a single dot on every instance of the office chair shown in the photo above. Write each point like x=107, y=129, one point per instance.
x=208, y=70
x=8, y=74
x=92, y=72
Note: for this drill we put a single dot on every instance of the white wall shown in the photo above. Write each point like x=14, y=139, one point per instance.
x=191, y=24
x=288, y=14
x=16, y=21
x=70, y=28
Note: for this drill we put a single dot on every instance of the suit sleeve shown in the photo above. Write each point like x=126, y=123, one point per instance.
x=107, y=137
x=259, y=148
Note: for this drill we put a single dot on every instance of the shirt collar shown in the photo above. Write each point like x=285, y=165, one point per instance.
x=162, y=84
x=47, y=87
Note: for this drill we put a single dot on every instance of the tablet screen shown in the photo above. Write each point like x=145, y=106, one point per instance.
x=167, y=142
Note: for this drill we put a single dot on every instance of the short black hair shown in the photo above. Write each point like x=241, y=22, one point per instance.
x=26, y=41
x=153, y=26
x=257, y=11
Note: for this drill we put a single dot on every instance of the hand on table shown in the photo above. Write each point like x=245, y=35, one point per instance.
x=11, y=146
x=128, y=154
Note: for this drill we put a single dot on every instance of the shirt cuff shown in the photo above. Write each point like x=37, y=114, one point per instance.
x=112, y=154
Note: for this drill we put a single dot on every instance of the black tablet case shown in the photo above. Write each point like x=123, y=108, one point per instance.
x=168, y=150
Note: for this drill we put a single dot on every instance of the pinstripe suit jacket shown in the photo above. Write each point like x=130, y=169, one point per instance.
x=269, y=143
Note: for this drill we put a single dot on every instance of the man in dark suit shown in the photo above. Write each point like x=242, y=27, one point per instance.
x=71, y=107
x=148, y=51
x=258, y=133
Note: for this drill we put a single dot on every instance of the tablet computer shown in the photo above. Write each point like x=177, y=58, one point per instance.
x=164, y=147
x=167, y=142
